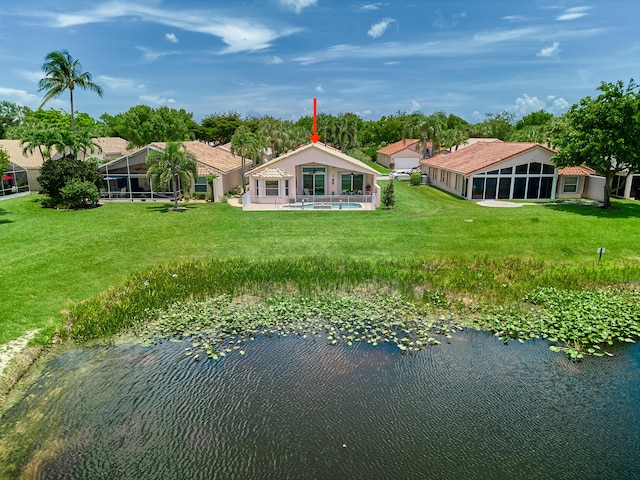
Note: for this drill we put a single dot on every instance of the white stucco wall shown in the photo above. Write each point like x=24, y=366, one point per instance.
x=594, y=188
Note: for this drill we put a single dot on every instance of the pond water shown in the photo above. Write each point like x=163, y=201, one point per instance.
x=294, y=408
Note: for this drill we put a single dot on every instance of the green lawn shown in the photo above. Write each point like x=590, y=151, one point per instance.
x=52, y=259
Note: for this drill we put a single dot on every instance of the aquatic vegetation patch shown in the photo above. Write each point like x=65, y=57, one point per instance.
x=577, y=322
x=216, y=327
x=516, y=298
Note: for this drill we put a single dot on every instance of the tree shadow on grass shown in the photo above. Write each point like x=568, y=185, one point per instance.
x=168, y=207
x=620, y=209
x=4, y=220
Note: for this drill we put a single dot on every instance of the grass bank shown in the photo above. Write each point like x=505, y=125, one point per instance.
x=52, y=260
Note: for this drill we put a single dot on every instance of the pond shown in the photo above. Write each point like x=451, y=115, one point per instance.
x=299, y=408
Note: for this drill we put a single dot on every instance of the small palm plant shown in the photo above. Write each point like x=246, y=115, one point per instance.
x=172, y=166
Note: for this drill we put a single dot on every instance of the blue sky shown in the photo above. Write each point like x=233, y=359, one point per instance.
x=272, y=57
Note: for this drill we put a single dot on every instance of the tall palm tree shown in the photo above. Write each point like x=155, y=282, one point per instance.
x=276, y=131
x=172, y=164
x=246, y=144
x=62, y=73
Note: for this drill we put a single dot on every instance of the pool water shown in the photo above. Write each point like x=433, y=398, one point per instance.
x=324, y=206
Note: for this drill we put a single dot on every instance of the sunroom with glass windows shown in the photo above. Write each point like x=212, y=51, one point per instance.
x=496, y=171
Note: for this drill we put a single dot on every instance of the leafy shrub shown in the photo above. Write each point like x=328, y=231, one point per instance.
x=199, y=196
x=79, y=194
x=416, y=178
x=56, y=174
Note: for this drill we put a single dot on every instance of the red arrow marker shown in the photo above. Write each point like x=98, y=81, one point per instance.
x=315, y=137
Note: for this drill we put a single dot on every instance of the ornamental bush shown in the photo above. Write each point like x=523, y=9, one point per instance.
x=79, y=194
x=56, y=174
x=416, y=178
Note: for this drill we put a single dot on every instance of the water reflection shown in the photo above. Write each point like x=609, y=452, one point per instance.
x=297, y=408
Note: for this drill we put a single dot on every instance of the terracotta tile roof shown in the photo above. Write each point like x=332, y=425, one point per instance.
x=111, y=145
x=473, y=140
x=479, y=156
x=579, y=171
x=399, y=146
x=218, y=160
x=25, y=160
x=273, y=173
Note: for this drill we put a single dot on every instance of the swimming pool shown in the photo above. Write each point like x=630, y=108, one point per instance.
x=323, y=206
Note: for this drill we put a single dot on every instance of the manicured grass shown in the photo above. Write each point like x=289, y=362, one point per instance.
x=380, y=168
x=53, y=259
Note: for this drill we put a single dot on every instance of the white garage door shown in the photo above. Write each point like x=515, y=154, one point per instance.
x=406, y=163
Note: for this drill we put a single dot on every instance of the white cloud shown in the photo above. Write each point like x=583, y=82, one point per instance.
x=319, y=89
x=378, y=29
x=415, y=106
x=573, y=13
x=171, y=38
x=275, y=60
x=441, y=23
x=298, y=5
x=156, y=100
x=559, y=105
x=515, y=18
x=31, y=76
x=119, y=84
x=21, y=97
x=549, y=51
x=392, y=62
x=457, y=47
x=498, y=36
x=525, y=105
x=153, y=55
x=372, y=6
x=238, y=34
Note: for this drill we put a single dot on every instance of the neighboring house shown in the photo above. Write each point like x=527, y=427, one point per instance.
x=473, y=140
x=24, y=170
x=495, y=170
x=25, y=166
x=625, y=185
x=584, y=182
x=576, y=182
x=126, y=177
x=312, y=173
x=109, y=148
x=404, y=155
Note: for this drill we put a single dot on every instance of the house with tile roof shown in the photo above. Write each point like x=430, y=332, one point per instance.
x=495, y=170
x=109, y=148
x=579, y=182
x=313, y=175
x=23, y=170
x=25, y=166
x=403, y=155
x=126, y=176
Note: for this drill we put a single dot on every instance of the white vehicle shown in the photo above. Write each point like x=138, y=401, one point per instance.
x=400, y=175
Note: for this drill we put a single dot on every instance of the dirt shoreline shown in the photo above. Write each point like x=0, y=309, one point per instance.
x=16, y=360
x=10, y=350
